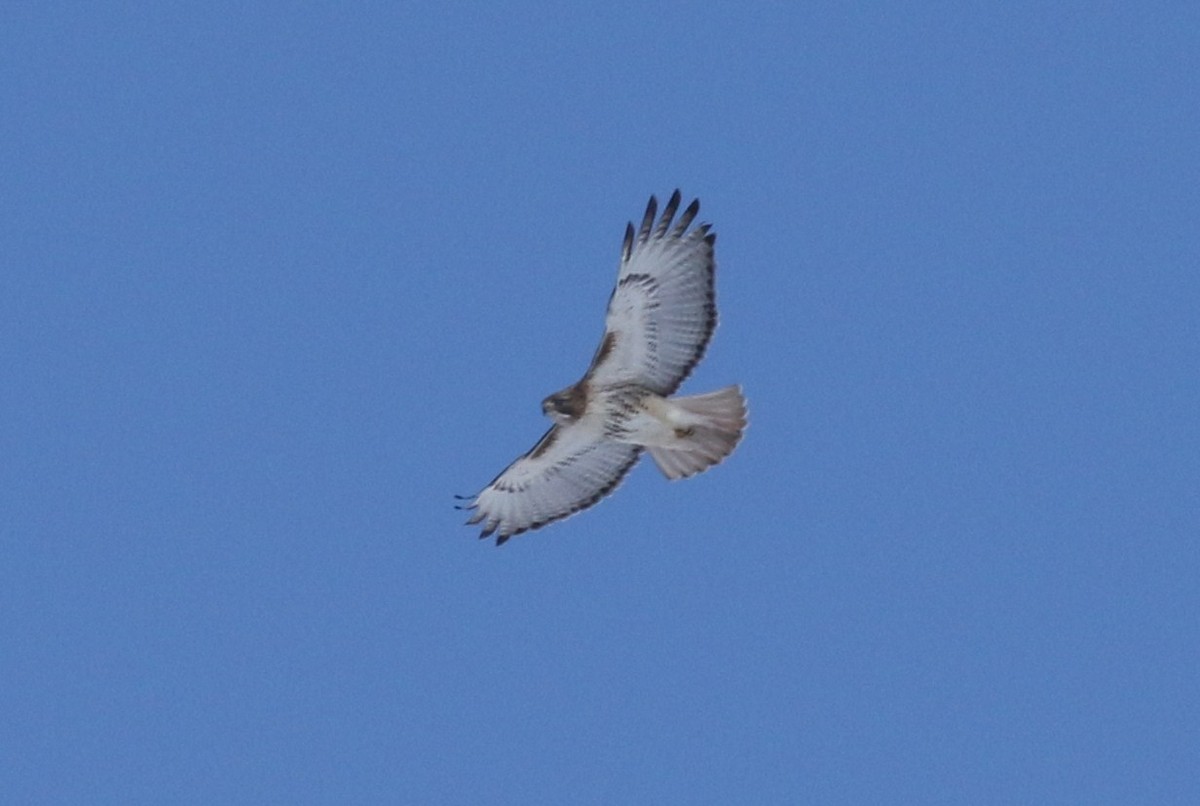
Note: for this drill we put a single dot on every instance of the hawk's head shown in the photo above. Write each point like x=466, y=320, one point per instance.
x=566, y=406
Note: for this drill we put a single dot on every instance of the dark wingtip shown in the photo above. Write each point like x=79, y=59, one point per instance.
x=668, y=214
x=648, y=220
x=502, y=539
x=685, y=220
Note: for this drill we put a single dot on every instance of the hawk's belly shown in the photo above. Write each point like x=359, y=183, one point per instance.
x=639, y=417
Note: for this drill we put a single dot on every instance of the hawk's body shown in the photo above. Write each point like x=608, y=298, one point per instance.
x=660, y=318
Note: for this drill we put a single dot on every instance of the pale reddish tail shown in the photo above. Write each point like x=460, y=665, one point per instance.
x=713, y=425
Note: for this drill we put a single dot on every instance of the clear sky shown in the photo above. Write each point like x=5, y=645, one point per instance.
x=276, y=282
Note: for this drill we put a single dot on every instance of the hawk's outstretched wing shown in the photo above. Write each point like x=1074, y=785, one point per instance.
x=569, y=469
x=663, y=310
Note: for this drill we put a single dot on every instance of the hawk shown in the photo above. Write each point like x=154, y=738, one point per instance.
x=660, y=318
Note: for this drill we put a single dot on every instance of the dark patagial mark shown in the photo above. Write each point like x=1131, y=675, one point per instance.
x=604, y=350
x=544, y=444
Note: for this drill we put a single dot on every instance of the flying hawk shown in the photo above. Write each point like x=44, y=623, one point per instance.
x=660, y=318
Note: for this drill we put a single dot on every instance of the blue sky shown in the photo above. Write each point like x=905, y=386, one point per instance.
x=276, y=282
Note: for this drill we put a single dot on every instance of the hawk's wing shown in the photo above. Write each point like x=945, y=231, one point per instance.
x=569, y=469
x=663, y=310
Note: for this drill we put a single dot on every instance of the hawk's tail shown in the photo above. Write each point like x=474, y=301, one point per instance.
x=712, y=424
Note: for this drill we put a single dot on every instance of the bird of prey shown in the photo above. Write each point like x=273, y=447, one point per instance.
x=660, y=318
